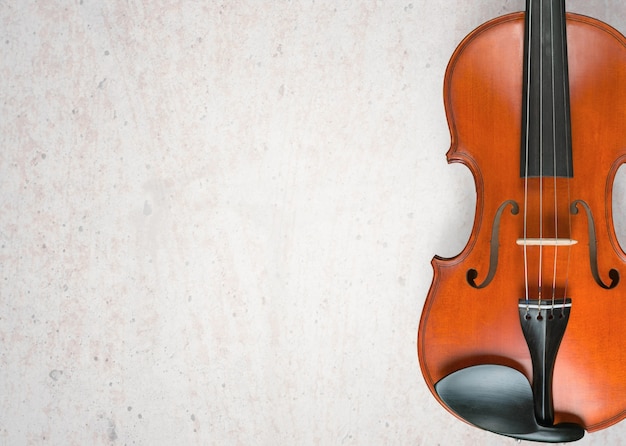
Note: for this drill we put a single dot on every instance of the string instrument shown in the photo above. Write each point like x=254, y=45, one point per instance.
x=523, y=332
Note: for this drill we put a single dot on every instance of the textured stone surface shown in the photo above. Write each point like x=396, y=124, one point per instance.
x=218, y=217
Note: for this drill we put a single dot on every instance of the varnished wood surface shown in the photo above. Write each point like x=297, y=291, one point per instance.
x=461, y=325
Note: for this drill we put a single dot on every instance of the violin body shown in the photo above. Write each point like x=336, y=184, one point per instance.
x=465, y=324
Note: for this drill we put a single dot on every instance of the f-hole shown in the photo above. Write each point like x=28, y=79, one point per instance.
x=593, y=248
x=472, y=274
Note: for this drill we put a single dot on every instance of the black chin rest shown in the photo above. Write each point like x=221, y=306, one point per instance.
x=499, y=399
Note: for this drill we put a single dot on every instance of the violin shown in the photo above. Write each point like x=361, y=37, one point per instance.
x=522, y=333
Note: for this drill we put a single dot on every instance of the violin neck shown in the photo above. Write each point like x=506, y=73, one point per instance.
x=546, y=148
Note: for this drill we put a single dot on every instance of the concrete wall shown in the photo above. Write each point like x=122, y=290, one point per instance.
x=217, y=219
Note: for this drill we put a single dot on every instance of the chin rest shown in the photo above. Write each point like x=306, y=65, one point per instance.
x=499, y=399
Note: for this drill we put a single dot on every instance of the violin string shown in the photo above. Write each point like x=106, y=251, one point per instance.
x=568, y=143
x=540, y=275
x=554, y=159
x=529, y=17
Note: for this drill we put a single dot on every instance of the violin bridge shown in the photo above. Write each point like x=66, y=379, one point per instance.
x=546, y=242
